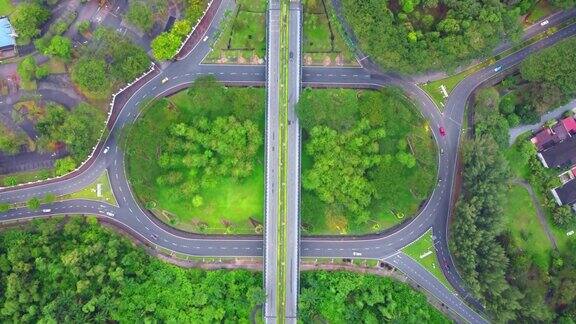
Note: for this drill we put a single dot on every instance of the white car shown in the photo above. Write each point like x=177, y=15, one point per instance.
x=106, y=149
x=165, y=80
x=111, y=214
x=47, y=210
x=205, y=38
x=498, y=68
x=544, y=23
x=356, y=254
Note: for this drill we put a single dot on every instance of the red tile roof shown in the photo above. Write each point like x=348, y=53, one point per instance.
x=542, y=138
x=569, y=124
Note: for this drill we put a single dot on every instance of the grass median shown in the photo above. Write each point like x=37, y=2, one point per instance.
x=423, y=252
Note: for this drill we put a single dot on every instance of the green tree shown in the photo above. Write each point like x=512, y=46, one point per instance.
x=165, y=45
x=27, y=19
x=341, y=160
x=140, y=15
x=27, y=68
x=64, y=165
x=84, y=26
x=91, y=76
x=33, y=203
x=4, y=207
x=60, y=46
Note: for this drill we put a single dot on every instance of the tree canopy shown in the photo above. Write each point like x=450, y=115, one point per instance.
x=552, y=74
x=341, y=162
x=196, y=155
x=27, y=19
x=110, y=59
x=367, y=156
x=345, y=297
x=79, y=129
x=74, y=270
x=418, y=35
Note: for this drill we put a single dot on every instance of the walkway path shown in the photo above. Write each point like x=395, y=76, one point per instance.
x=539, y=211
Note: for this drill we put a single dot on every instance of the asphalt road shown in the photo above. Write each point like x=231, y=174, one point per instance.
x=293, y=181
x=379, y=246
x=272, y=164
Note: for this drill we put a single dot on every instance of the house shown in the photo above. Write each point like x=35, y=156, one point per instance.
x=7, y=39
x=556, y=144
x=549, y=136
x=561, y=155
x=566, y=194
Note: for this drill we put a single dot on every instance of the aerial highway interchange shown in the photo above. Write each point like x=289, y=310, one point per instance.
x=385, y=246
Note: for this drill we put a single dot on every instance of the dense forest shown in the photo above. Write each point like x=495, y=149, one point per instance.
x=364, y=158
x=414, y=36
x=75, y=271
x=513, y=283
x=344, y=297
x=551, y=74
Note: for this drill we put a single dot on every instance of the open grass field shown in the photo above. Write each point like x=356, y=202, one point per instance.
x=242, y=37
x=400, y=191
x=526, y=231
x=317, y=33
x=423, y=252
x=230, y=205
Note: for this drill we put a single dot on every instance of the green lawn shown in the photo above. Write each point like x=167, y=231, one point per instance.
x=6, y=7
x=520, y=169
x=316, y=33
x=230, y=205
x=91, y=192
x=242, y=35
x=399, y=190
x=423, y=252
x=229, y=202
x=249, y=32
x=323, y=42
x=252, y=5
x=434, y=88
x=522, y=221
x=24, y=177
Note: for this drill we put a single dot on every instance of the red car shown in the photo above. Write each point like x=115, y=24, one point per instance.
x=442, y=131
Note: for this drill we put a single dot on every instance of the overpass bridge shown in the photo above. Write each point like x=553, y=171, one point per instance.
x=282, y=181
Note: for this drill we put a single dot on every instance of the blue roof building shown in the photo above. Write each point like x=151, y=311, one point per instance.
x=7, y=34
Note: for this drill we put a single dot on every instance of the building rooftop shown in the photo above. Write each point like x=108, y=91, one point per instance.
x=566, y=195
x=6, y=33
x=562, y=154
